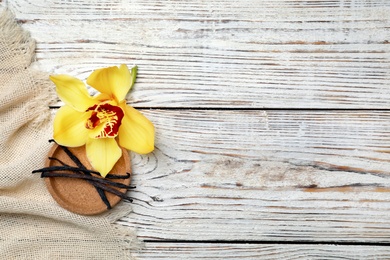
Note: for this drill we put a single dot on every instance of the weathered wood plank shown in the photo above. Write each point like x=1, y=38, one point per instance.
x=253, y=251
x=237, y=54
x=244, y=175
x=265, y=175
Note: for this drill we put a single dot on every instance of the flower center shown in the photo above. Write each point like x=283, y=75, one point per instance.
x=104, y=121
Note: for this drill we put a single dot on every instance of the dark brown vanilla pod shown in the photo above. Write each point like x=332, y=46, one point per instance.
x=76, y=187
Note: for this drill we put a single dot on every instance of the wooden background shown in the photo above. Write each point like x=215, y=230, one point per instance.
x=272, y=119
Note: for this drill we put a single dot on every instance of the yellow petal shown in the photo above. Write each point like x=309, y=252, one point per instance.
x=136, y=132
x=101, y=97
x=113, y=81
x=72, y=92
x=103, y=154
x=69, y=127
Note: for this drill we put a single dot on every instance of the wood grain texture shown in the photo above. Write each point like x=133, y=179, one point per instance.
x=244, y=173
x=236, y=54
x=265, y=252
x=265, y=175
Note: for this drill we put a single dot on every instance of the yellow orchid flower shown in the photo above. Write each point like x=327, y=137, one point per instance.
x=103, y=122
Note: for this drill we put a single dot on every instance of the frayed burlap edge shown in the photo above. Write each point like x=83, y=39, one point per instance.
x=43, y=96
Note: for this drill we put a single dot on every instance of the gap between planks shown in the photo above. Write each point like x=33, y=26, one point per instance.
x=258, y=251
x=265, y=242
x=54, y=107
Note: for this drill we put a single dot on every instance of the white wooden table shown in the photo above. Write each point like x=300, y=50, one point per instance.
x=272, y=119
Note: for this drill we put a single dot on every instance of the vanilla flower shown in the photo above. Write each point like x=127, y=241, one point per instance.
x=103, y=123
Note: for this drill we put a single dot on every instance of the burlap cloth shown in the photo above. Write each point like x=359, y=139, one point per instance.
x=32, y=225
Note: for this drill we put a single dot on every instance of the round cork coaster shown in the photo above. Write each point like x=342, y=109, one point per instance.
x=78, y=195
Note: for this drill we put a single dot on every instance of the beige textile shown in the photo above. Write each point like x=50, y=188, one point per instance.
x=32, y=225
